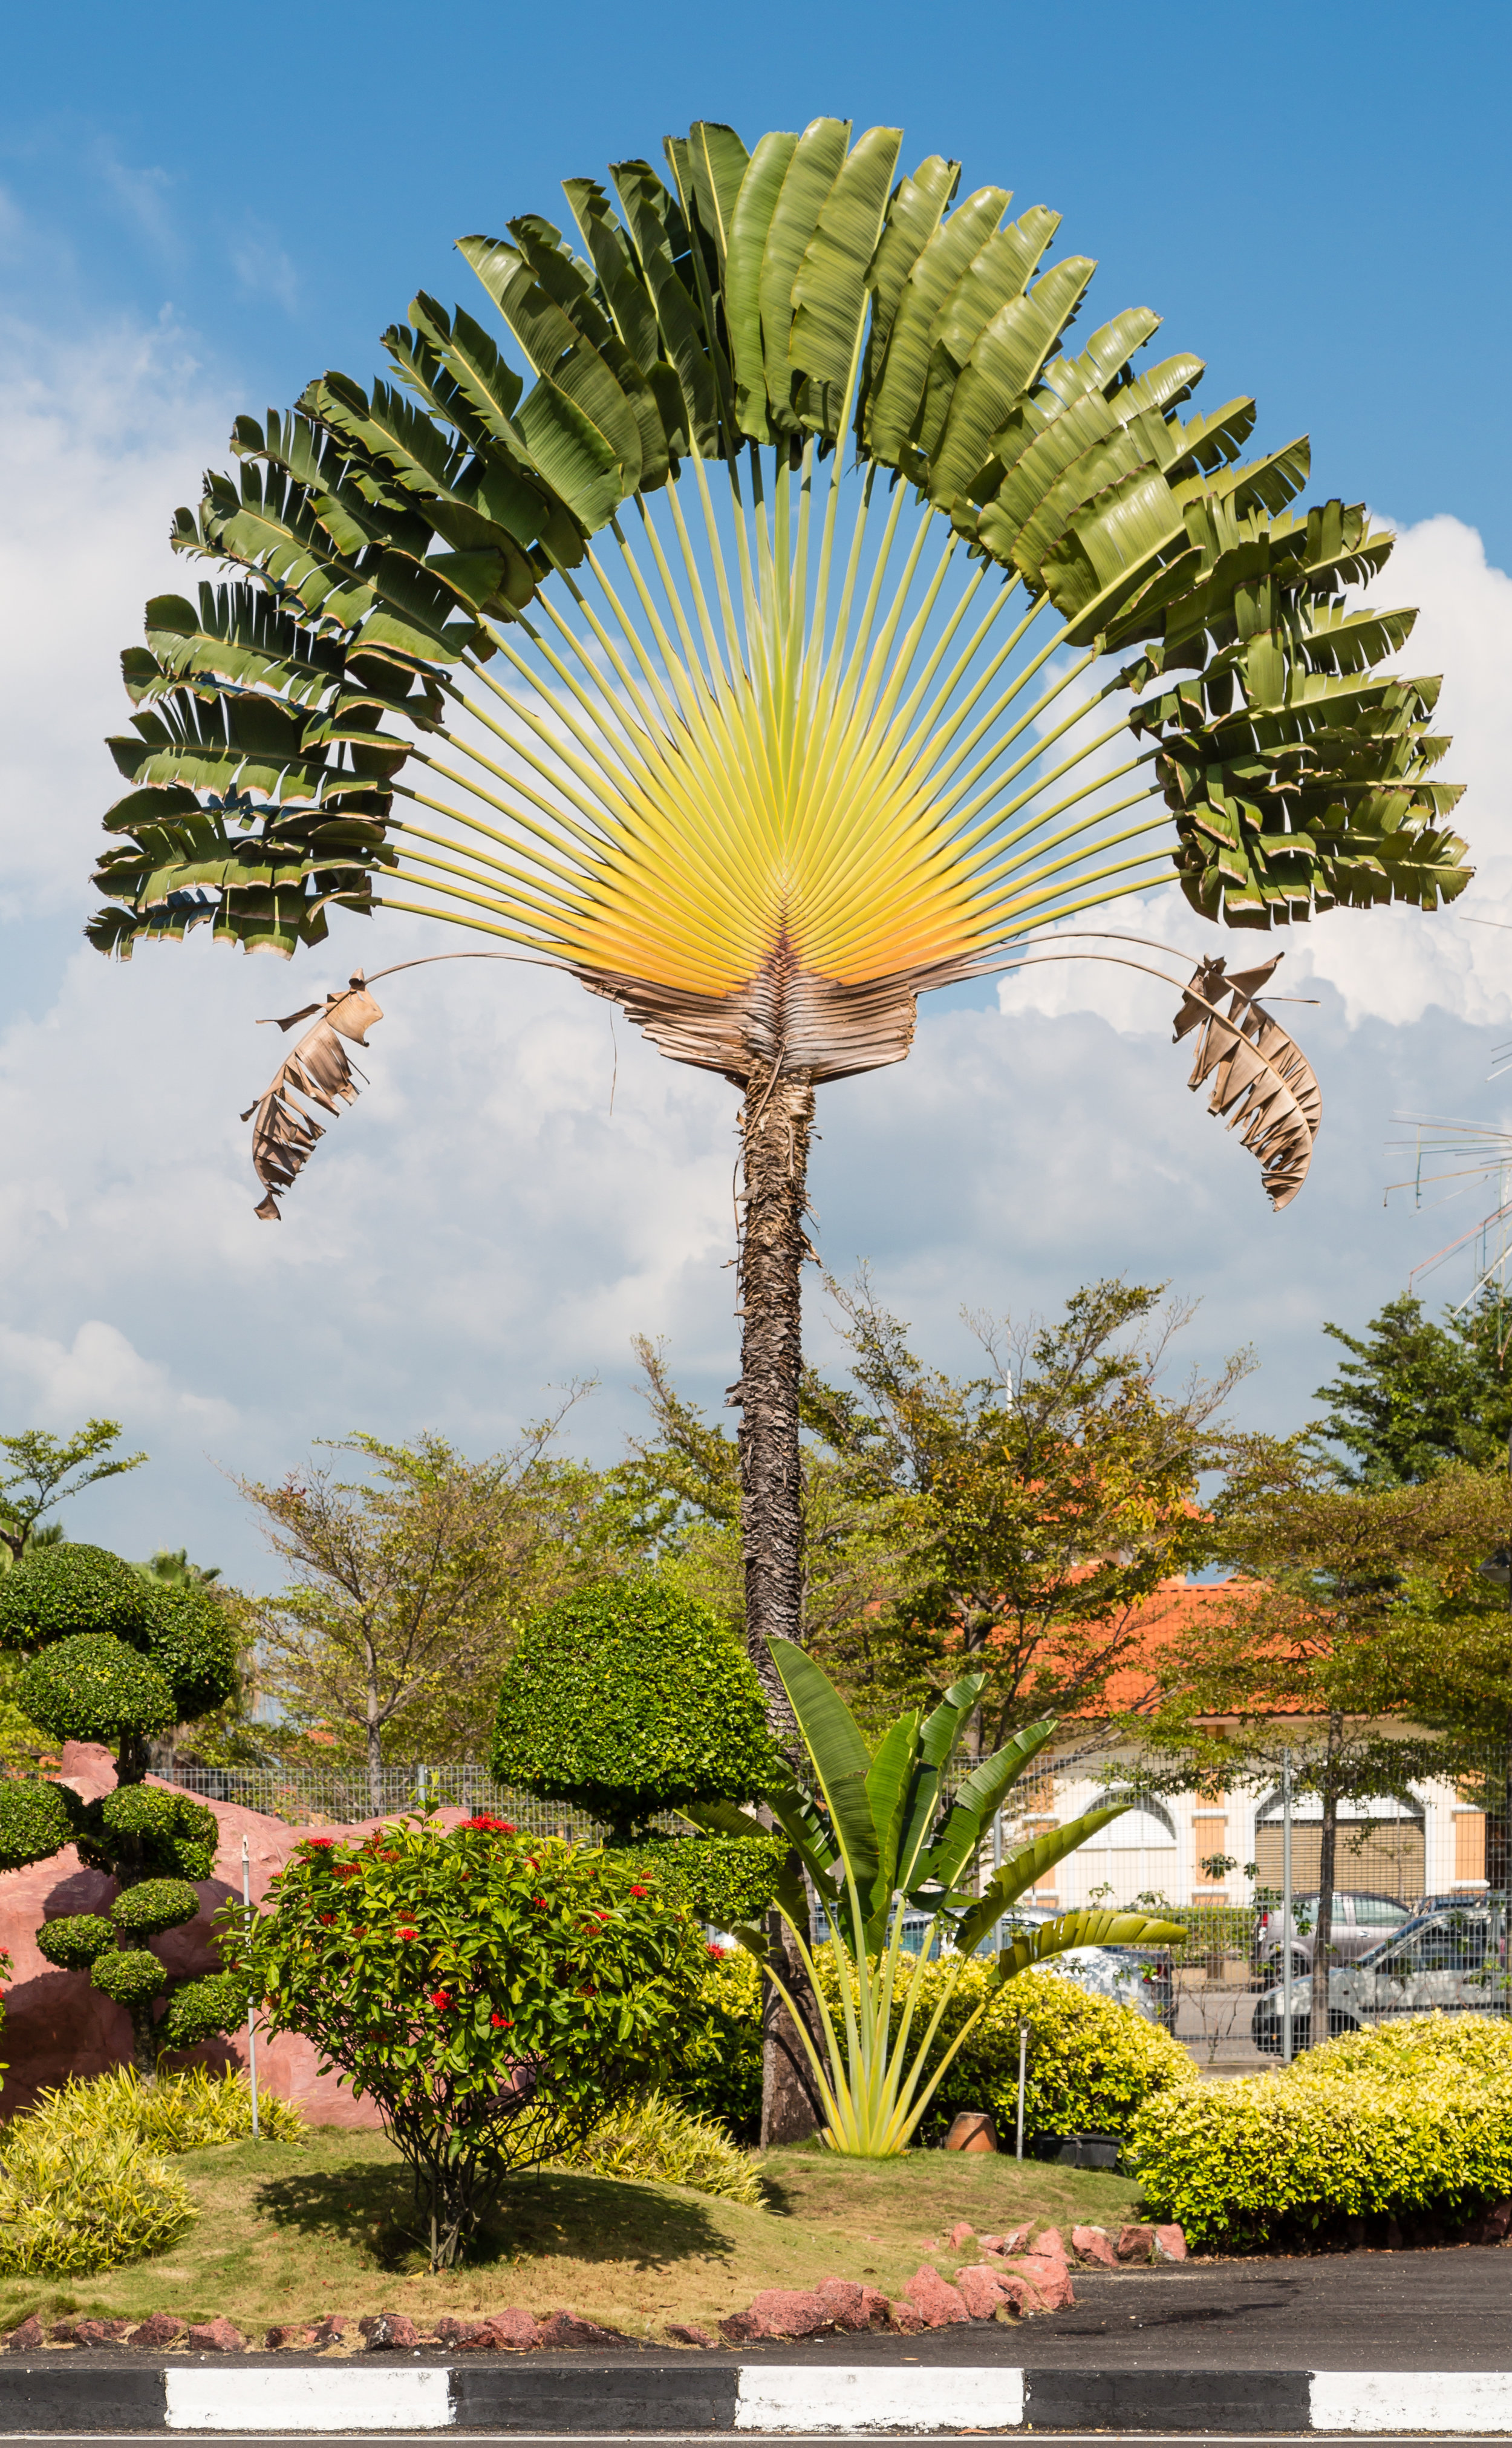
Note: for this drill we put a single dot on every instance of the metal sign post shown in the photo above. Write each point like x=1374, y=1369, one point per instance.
x=252, y=2021
x=1024, y=2044
x=1286, y=1905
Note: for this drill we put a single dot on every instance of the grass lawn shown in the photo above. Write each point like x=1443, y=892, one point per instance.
x=290, y=2235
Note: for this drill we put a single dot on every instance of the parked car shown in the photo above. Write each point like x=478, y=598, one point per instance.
x=1361, y=1919
x=1453, y=1961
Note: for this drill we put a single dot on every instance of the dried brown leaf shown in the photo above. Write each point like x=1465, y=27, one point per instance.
x=283, y=1133
x=1261, y=1079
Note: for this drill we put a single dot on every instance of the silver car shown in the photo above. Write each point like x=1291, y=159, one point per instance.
x=1361, y=1919
x=1450, y=1961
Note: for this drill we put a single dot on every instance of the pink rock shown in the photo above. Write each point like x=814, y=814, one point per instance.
x=566, y=2329
x=28, y=2337
x=788, y=2312
x=159, y=2329
x=941, y=2305
x=285, y=2334
x=1093, y=2244
x=735, y=2329
x=688, y=2333
x=101, y=2333
x=512, y=2332
x=1049, y=2278
x=981, y=2289
x=331, y=2331
x=216, y=2336
x=388, y=2329
x=1170, y=2244
x=907, y=2319
x=961, y=2236
x=1049, y=2243
x=62, y=2333
x=1135, y=2244
x=1017, y=2298
x=841, y=2300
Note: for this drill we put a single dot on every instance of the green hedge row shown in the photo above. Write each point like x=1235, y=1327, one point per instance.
x=1413, y=2119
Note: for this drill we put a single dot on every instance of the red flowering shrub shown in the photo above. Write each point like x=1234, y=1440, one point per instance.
x=405, y=1960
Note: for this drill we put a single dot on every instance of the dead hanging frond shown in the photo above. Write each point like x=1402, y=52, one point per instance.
x=283, y=1133
x=1261, y=1080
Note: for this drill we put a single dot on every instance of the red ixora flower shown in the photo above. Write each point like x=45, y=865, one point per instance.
x=328, y=1921
x=486, y=1820
x=718, y=1953
x=501, y=2022
x=345, y=1870
x=639, y=1891
x=541, y=1903
x=318, y=1844
x=407, y=1932
x=439, y=1997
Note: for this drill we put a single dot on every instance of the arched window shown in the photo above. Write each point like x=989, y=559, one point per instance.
x=1145, y=1826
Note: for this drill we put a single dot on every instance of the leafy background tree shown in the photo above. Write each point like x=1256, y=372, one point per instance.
x=1415, y=1396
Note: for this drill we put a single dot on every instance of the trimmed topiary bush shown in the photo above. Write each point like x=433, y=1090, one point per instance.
x=74, y=1942
x=629, y=1698
x=36, y=1817
x=1411, y=2121
x=133, y=1975
x=142, y=1832
x=55, y=1592
x=721, y=1879
x=190, y=1642
x=201, y=2010
x=154, y=1905
x=90, y=1688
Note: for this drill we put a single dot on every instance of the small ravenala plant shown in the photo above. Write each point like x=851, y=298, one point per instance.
x=495, y=1994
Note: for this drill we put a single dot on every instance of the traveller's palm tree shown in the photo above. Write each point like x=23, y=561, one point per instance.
x=738, y=662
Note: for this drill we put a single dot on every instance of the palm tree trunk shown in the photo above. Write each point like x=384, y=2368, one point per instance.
x=776, y=1121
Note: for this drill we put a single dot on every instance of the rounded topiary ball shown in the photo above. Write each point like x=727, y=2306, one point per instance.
x=154, y=1905
x=92, y=1689
x=36, y=1817
x=56, y=1591
x=629, y=1698
x=163, y=1832
x=201, y=2010
x=129, y=1975
x=190, y=1642
x=76, y=1941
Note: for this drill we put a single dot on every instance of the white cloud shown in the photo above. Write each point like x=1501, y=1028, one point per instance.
x=263, y=268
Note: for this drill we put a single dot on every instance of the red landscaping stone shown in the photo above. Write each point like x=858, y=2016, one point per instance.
x=1093, y=2244
x=907, y=2319
x=512, y=2332
x=159, y=2329
x=26, y=2338
x=1170, y=2244
x=331, y=2331
x=735, y=2329
x=62, y=2333
x=1018, y=2300
x=566, y=2329
x=99, y=2333
x=388, y=2329
x=980, y=2288
x=216, y=2336
x=845, y=2305
x=1047, y=2245
x=1050, y=2279
x=941, y=2305
x=1135, y=2244
x=688, y=2333
x=788, y=2312
x=961, y=2236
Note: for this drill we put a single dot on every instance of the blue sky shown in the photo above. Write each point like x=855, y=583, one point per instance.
x=199, y=209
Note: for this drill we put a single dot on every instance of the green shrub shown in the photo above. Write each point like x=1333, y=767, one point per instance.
x=36, y=1817
x=56, y=1591
x=657, y=2141
x=142, y=1830
x=1395, y=2123
x=716, y=2066
x=190, y=1643
x=180, y=2111
x=721, y=1879
x=201, y=2010
x=69, y=2205
x=75, y=1941
x=629, y=1698
x=90, y=1688
x=131, y=1974
x=153, y=1905
x=1092, y=2064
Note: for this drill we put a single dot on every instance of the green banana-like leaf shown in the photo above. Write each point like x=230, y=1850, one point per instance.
x=1025, y=1866
x=889, y=1780
x=841, y=1759
x=1085, y=1929
x=828, y=288
x=977, y=1800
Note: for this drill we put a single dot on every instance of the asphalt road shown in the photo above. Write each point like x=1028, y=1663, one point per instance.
x=788, y=2440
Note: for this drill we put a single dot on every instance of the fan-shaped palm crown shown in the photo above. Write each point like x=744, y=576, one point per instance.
x=763, y=754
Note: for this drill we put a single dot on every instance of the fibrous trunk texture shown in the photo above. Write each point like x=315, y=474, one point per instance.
x=775, y=1123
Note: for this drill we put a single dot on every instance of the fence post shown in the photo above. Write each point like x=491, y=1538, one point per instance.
x=1286, y=1905
x=252, y=2020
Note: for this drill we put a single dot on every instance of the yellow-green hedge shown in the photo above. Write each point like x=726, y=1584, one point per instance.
x=1411, y=2119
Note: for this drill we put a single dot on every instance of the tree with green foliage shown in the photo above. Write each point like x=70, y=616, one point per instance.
x=1415, y=1396
x=45, y=1470
x=114, y=1655
x=1348, y=1608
